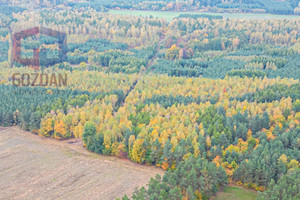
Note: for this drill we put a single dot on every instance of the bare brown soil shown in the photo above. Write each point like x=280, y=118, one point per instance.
x=32, y=167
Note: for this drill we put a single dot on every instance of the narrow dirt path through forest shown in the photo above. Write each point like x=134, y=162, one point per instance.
x=150, y=63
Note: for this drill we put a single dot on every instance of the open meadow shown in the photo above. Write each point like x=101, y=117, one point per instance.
x=169, y=15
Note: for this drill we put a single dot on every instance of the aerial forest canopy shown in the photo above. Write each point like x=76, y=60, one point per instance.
x=283, y=7
x=211, y=100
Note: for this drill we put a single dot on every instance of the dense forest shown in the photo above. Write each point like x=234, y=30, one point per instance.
x=257, y=6
x=212, y=101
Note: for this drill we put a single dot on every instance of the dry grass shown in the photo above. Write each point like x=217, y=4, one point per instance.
x=233, y=192
x=32, y=167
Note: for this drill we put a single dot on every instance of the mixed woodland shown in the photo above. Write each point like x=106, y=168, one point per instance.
x=232, y=6
x=212, y=101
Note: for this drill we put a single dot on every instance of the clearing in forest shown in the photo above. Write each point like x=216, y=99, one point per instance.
x=33, y=167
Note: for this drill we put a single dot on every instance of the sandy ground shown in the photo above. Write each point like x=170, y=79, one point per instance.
x=33, y=167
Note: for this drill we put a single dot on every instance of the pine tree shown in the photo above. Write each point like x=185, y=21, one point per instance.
x=167, y=152
x=35, y=120
x=89, y=131
x=175, y=193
